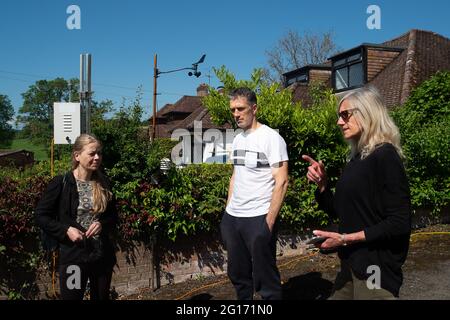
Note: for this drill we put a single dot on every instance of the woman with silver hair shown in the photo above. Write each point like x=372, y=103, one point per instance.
x=371, y=201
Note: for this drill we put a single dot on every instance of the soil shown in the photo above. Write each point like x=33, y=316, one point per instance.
x=310, y=277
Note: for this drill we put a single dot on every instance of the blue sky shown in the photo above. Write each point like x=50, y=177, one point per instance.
x=123, y=37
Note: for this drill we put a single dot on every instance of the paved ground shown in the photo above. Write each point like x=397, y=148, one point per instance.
x=427, y=270
x=426, y=275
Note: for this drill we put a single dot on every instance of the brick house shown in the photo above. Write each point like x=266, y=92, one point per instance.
x=179, y=120
x=394, y=67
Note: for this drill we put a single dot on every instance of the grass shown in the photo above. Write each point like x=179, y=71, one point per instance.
x=40, y=152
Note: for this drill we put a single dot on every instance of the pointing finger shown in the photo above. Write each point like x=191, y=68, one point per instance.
x=309, y=159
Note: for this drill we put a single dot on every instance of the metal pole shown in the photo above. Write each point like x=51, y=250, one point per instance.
x=155, y=76
x=52, y=158
x=82, y=94
x=81, y=73
x=88, y=96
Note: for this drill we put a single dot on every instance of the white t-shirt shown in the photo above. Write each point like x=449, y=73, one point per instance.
x=253, y=155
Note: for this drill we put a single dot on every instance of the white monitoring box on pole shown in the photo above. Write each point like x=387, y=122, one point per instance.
x=66, y=122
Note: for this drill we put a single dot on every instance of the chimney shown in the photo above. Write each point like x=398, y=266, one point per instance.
x=202, y=90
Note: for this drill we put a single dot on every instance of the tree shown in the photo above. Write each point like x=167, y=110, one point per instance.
x=6, y=115
x=294, y=51
x=36, y=112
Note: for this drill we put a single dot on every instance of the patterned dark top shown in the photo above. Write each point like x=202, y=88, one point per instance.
x=85, y=216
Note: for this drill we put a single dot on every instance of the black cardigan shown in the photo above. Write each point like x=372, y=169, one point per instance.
x=64, y=205
x=373, y=195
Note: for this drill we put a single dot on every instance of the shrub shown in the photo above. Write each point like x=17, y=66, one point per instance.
x=185, y=202
x=20, y=253
x=424, y=123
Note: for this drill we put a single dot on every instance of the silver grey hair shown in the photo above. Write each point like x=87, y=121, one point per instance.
x=376, y=126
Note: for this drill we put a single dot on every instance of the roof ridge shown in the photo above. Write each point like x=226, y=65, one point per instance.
x=5, y=152
x=432, y=33
x=410, y=66
x=415, y=30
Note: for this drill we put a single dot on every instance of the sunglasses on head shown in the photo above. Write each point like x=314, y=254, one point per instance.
x=346, y=114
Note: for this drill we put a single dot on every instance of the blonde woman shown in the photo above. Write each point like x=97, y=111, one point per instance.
x=78, y=210
x=371, y=201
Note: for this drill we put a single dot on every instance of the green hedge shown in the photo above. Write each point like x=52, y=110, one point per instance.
x=424, y=123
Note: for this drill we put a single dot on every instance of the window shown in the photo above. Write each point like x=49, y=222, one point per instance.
x=290, y=81
x=348, y=72
x=297, y=78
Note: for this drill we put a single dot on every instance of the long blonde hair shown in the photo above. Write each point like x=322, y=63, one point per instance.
x=376, y=126
x=100, y=190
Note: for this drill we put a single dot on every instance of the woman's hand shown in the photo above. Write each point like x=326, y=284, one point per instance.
x=339, y=239
x=74, y=234
x=333, y=239
x=316, y=172
x=94, y=229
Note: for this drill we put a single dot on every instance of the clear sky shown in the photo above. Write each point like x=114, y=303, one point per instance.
x=123, y=37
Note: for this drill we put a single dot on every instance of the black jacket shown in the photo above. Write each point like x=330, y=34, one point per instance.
x=57, y=211
x=373, y=195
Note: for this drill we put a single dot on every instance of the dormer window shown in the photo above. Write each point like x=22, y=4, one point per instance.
x=302, y=78
x=348, y=70
x=308, y=74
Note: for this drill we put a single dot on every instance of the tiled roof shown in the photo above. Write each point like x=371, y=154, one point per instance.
x=423, y=54
x=164, y=110
x=188, y=109
x=426, y=53
x=389, y=82
x=4, y=153
x=400, y=41
x=165, y=130
x=432, y=55
x=187, y=104
x=201, y=114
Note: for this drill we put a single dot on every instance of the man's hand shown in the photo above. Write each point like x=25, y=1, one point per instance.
x=270, y=221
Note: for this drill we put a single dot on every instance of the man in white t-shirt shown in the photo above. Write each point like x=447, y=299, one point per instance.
x=255, y=195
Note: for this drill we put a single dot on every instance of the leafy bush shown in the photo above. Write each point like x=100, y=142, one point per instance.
x=424, y=123
x=185, y=202
x=300, y=208
x=20, y=253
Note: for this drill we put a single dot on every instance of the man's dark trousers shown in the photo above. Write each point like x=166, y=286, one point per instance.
x=251, y=249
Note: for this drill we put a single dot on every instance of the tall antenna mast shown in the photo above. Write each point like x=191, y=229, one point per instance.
x=85, y=92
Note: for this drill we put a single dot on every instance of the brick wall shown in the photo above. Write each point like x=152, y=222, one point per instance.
x=204, y=255
x=133, y=270
x=187, y=258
